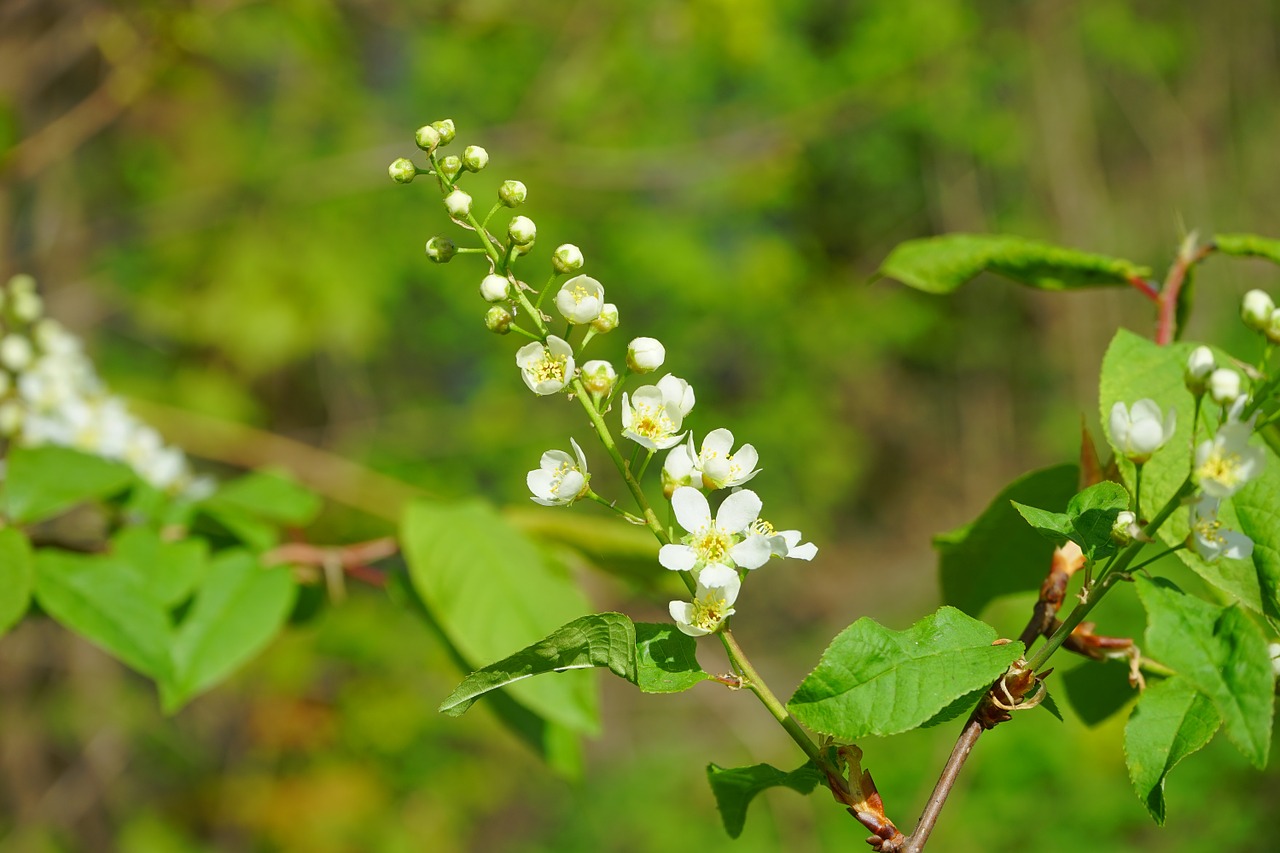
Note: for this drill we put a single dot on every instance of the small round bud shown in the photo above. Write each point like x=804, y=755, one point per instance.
x=1199, y=365
x=441, y=250
x=474, y=158
x=1123, y=531
x=498, y=320
x=445, y=128
x=599, y=377
x=27, y=306
x=608, y=319
x=451, y=166
x=16, y=353
x=645, y=355
x=458, y=204
x=1256, y=310
x=495, y=288
x=427, y=137
x=402, y=171
x=522, y=231
x=1273, y=327
x=22, y=283
x=512, y=193
x=567, y=259
x=1224, y=386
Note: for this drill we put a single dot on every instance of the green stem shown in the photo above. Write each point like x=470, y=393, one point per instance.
x=756, y=684
x=521, y=331
x=644, y=465
x=1137, y=489
x=1160, y=556
x=545, y=288
x=613, y=505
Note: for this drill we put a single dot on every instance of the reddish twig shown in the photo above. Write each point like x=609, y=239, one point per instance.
x=1188, y=256
x=1146, y=287
x=336, y=561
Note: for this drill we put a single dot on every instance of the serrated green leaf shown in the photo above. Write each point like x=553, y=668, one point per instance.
x=599, y=640
x=997, y=553
x=1054, y=526
x=1248, y=245
x=1221, y=653
x=1134, y=368
x=735, y=788
x=169, y=570
x=42, y=482
x=103, y=600
x=666, y=659
x=16, y=577
x=1098, y=689
x=492, y=592
x=1171, y=721
x=942, y=264
x=1051, y=706
x=874, y=681
x=238, y=609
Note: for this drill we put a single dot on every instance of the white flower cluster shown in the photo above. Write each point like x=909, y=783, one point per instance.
x=51, y=395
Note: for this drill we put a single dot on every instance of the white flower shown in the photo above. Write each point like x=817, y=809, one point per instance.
x=680, y=468
x=560, y=479
x=1125, y=528
x=721, y=468
x=495, y=288
x=652, y=417
x=1209, y=540
x=645, y=355
x=780, y=543
x=1199, y=365
x=458, y=204
x=580, y=299
x=546, y=369
x=1256, y=309
x=16, y=352
x=722, y=540
x=1137, y=433
x=1226, y=462
x=712, y=603
x=1224, y=386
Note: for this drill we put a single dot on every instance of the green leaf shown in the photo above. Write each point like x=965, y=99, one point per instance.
x=16, y=577
x=599, y=640
x=1221, y=653
x=874, y=681
x=1088, y=521
x=1054, y=526
x=255, y=506
x=942, y=264
x=169, y=570
x=1171, y=721
x=103, y=600
x=492, y=592
x=238, y=609
x=997, y=553
x=1098, y=689
x=1248, y=245
x=735, y=788
x=45, y=481
x=1134, y=368
x=666, y=659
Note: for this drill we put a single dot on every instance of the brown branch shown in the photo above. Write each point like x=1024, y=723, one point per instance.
x=336, y=561
x=1188, y=256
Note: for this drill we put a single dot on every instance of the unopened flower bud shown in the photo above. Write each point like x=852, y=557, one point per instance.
x=427, y=137
x=441, y=249
x=498, y=320
x=474, y=158
x=567, y=259
x=1122, y=532
x=1273, y=327
x=1224, y=386
x=22, y=283
x=451, y=166
x=522, y=231
x=458, y=204
x=645, y=355
x=27, y=305
x=608, y=319
x=16, y=353
x=495, y=288
x=1256, y=310
x=599, y=377
x=1199, y=365
x=402, y=171
x=445, y=128
x=512, y=193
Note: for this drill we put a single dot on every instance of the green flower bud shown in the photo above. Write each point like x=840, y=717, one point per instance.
x=512, y=193
x=567, y=259
x=445, y=128
x=495, y=288
x=498, y=320
x=458, y=204
x=599, y=377
x=451, y=166
x=1256, y=310
x=402, y=171
x=608, y=319
x=427, y=137
x=441, y=250
x=474, y=158
x=522, y=231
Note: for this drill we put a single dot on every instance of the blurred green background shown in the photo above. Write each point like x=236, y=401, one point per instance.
x=201, y=190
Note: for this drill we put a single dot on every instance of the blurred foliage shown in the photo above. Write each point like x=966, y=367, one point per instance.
x=201, y=190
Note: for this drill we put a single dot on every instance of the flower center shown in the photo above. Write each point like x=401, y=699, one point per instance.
x=549, y=368
x=1221, y=467
x=762, y=527
x=708, y=611
x=712, y=544
x=651, y=422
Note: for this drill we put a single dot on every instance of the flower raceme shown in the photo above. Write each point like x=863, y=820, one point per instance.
x=1140, y=431
x=560, y=478
x=546, y=368
x=652, y=417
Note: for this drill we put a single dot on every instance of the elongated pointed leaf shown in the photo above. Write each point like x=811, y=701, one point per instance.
x=735, y=788
x=1088, y=521
x=169, y=570
x=1054, y=526
x=1219, y=652
x=1171, y=721
x=997, y=553
x=42, y=482
x=599, y=640
x=16, y=577
x=1248, y=246
x=942, y=264
x=666, y=659
x=874, y=681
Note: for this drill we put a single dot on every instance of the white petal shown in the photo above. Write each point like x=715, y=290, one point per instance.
x=582, y=457
x=752, y=552
x=626, y=411
x=738, y=511
x=1120, y=425
x=677, y=558
x=722, y=579
x=682, y=613
x=807, y=551
x=718, y=442
x=691, y=508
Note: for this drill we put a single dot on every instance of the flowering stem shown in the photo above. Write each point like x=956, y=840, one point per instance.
x=753, y=682
x=542, y=294
x=1188, y=256
x=485, y=223
x=1159, y=556
x=528, y=334
x=1137, y=489
x=613, y=505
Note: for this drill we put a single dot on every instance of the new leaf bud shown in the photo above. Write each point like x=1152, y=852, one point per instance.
x=441, y=249
x=512, y=193
x=427, y=137
x=474, y=158
x=1199, y=365
x=645, y=355
x=451, y=166
x=458, y=204
x=495, y=288
x=445, y=128
x=402, y=171
x=1256, y=310
x=608, y=319
x=498, y=320
x=522, y=231
x=567, y=259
